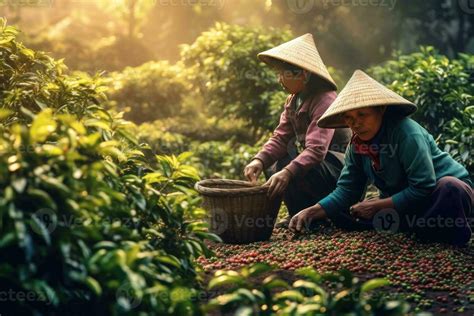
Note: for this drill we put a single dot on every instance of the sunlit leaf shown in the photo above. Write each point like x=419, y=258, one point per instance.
x=43, y=125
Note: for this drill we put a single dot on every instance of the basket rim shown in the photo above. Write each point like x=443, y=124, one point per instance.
x=248, y=188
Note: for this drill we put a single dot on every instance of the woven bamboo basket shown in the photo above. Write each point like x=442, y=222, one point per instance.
x=240, y=212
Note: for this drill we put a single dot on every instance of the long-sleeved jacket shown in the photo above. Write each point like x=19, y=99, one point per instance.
x=302, y=124
x=410, y=165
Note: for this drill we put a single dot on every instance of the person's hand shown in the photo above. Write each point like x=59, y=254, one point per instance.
x=253, y=170
x=278, y=183
x=302, y=219
x=365, y=209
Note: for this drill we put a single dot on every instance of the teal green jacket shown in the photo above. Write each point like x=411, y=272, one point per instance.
x=410, y=165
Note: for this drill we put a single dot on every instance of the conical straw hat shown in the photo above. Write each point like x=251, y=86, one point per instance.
x=360, y=92
x=300, y=52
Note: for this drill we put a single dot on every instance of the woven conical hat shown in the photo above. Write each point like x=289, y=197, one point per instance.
x=360, y=92
x=300, y=52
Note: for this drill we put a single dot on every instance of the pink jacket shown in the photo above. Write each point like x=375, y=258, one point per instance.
x=303, y=123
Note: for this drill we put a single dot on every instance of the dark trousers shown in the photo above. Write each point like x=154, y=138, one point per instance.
x=307, y=190
x=445, y=216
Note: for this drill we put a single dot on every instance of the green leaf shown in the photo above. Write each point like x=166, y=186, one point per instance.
x=224, y=300
x=97, y=123
x=19, y=184
x=290, y=295
x=208, y=236
x=131, y=138
x=169, y=260
x=37, y=194
x=107, y=149
x=4, y=113
x=309, y=309
x=55, y=184
x=94, y=285
x=373, y=284
x=43, y=125
x=39, y=228
x=396, y=308
x=309, y=273
x=90, y=140
x=224, y=272
x=273, y=282
x=259, y=268
x=244, y=311
x=225, y=280
x=47, y=293
x=7, y=239
x=105, y=245
x=28, y=52
x=185, y=156
x=301, y=284
x=41, y=105
x=96, y=257
x=154, y=177
x=245, y=293
x=51, y=150
x=27, y=112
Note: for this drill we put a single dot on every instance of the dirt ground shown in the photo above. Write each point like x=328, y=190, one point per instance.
x=432, y=277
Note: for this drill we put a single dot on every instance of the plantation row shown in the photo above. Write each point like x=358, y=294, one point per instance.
x=92, y=221
x=218, y=98
x=96, y=220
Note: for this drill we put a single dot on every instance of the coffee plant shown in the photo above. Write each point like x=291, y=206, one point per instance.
x=89, y=224
x=443, y=89
x=314, y=294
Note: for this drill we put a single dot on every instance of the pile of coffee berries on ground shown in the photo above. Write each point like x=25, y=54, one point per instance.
x=433, y=277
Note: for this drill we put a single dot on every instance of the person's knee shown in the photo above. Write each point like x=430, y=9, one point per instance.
x=451, y=185
x=448, y=180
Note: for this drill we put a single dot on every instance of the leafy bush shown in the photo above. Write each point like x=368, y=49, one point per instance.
x=89, y=225
x=224, y=69
x=443, y=89
x=198, y=128
x=306, y=296
x=163, y=142
x=149, y=92
x=213, y=159
x=223, y=159
x=439, y=86
x=31, y=81
x=459, y=138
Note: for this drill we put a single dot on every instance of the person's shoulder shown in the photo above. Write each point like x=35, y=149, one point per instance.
x=329, y=96
x=322, y=100
x=404, y=128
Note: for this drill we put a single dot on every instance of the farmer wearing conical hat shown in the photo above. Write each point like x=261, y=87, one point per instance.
x=301, y=160
x=422, y=189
